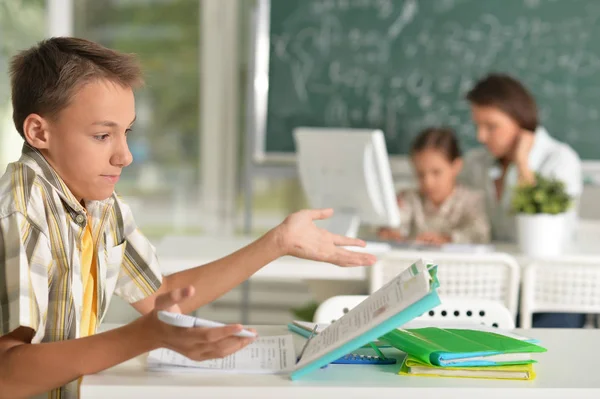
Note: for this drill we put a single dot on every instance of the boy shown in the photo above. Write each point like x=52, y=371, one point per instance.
x=67, y=242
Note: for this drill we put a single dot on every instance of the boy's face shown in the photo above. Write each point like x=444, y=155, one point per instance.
x=87, y=141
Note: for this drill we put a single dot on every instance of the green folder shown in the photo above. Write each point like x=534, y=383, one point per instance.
x=464, y=348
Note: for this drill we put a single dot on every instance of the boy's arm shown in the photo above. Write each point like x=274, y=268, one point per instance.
x=28, y=369
x=297, y=236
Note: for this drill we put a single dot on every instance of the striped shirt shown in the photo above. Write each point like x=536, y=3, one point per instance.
x=41, y=231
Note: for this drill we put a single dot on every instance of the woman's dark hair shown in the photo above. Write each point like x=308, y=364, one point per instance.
x=508, y=95
x=437, y=138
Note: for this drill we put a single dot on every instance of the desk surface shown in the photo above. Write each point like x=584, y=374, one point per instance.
x=568, y=369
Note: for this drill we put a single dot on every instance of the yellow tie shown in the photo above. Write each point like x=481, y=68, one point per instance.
x=88, y=279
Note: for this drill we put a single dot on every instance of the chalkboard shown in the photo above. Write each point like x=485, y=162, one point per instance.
x=402, y=65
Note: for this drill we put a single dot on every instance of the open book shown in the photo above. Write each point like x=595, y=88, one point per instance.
x=407, y=296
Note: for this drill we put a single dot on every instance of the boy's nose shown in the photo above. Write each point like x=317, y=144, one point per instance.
x=122, y=156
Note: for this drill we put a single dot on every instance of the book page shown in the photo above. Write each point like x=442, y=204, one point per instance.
x=266, y=355
x=401, y=292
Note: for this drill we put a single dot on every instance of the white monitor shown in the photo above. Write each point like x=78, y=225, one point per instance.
x=347, y=170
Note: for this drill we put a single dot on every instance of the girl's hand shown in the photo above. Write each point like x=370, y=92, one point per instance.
x=387, y=233
x=433, y=238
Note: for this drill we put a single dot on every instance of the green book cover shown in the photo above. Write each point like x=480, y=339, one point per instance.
x=443, y=347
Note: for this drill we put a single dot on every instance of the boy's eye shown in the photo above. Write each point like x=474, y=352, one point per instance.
x=101, y=137
x=128, y=131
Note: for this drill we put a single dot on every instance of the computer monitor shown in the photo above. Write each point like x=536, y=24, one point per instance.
x=347, y=170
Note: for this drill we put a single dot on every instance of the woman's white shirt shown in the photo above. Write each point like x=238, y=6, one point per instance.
x=548, y=157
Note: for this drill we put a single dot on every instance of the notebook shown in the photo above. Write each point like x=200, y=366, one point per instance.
x=461, y=347
x=413, y=366
x=407, y=296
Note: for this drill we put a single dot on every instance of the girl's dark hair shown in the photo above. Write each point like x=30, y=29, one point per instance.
x=438, y=138
x=509, y=95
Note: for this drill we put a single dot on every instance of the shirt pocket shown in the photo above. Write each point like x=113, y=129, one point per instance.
x=113, y=261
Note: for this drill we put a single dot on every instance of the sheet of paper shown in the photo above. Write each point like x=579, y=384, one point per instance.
x=401, y=292
x=266, y=355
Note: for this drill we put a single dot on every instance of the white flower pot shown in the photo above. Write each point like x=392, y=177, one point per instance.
x=542, y=235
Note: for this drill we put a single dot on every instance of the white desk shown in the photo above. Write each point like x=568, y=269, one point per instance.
x=569, y=369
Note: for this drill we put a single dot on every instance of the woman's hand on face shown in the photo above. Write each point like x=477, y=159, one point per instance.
x=524, y=146
x=526, y=139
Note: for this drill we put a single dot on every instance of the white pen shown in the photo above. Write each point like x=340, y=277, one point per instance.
x=312, y=333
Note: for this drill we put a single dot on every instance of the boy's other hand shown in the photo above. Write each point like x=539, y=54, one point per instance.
x=299, y=236
x=196, y=343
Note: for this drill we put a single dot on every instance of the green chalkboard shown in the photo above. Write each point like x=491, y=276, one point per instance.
x=402, y=65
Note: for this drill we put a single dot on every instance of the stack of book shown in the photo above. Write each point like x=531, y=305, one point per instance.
x=467, y=353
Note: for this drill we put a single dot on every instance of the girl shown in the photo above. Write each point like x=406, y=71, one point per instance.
x=440, y=211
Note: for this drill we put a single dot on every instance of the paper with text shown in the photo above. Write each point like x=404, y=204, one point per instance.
x=266, y=355
x=404, y=290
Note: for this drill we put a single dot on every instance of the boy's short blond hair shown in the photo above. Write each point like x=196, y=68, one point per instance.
x=44, y=78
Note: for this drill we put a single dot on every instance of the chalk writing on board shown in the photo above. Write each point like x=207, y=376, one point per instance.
x=403, y=65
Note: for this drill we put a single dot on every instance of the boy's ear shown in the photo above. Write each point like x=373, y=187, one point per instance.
x=457, y=166
x=35, y=129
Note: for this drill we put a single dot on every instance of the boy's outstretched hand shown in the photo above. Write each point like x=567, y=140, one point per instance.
x=299, y=236
x=195, y=343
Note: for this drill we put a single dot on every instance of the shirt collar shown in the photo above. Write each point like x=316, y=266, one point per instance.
x=542, y=144
x=33, y=158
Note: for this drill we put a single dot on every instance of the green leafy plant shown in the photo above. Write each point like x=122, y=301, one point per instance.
x=305, y=312
x=545, y=196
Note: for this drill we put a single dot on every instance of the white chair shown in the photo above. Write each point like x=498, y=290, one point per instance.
x=451, y=311
x=335, y=307
x=485, y=312
x=493, y=276
x=561, y=285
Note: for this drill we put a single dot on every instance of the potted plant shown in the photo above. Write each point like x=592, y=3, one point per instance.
x=542, y=221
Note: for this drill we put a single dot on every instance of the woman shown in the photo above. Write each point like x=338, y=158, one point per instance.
x=516, y=147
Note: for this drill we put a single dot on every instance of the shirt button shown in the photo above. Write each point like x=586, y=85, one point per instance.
x=80, y=218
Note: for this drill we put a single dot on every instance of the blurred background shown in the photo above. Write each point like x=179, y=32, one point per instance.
x=189, y=141
x=188, y=137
